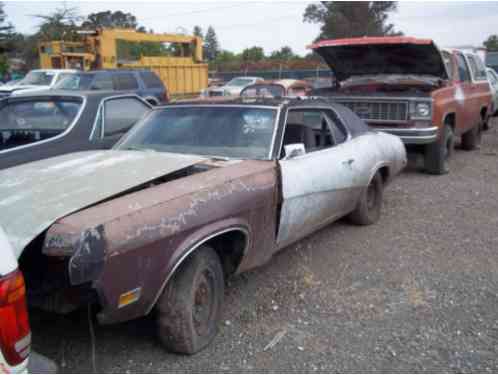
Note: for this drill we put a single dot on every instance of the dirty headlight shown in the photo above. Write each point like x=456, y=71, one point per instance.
x=423, y=110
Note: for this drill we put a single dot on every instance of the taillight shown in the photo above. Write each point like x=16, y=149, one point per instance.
x=166, y=96
x=15, y=334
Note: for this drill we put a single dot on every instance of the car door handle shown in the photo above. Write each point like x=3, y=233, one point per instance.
x=348, y=162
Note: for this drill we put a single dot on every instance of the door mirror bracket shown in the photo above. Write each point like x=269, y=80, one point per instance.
x=294, y=150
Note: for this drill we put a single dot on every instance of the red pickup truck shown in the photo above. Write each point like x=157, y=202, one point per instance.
x=408, y=87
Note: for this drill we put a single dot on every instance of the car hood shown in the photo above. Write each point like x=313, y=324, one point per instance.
x=381, y=55
x=35, y=195
x=13, y=88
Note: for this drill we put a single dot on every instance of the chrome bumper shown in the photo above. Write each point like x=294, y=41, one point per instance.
x=413, y=136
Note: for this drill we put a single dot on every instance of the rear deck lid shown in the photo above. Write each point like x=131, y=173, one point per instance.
x=381, y=55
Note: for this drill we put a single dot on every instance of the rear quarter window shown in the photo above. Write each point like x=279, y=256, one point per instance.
x=125, y=81
x=151, y=80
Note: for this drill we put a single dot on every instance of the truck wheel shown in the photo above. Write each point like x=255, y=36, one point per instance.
x=368, y=210
x=190, y=306
x=438, y=154
x=472, y=138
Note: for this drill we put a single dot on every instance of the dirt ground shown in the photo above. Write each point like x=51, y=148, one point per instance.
x=417, y=292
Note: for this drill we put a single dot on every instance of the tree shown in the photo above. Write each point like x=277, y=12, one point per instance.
x=253, y=54
x=62, y=24
x=6, y=31
x=491, y=43
x=211, y=45
x=284, y=53
x=198, y=31
x=351, y=19
x=108, y=19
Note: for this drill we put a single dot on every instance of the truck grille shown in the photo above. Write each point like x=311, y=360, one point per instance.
x=378, y=111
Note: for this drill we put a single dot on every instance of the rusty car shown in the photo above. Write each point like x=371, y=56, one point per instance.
x=50, y=123
x=409, y=87
x=291, y=88
x=192, y=194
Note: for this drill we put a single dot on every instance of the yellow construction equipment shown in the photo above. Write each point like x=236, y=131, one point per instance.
x=177, y=59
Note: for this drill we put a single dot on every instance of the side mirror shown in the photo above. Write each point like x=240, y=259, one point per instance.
x=293, y=150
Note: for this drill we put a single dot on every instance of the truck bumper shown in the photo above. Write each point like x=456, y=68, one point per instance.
x=413, y=136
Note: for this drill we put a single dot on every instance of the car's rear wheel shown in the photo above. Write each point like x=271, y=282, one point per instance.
x=369, y=207
x=472, y=138
x=190, y=306
x=438, y=154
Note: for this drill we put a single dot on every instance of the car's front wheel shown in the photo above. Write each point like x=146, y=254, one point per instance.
x=190, y=306
x=368, y=209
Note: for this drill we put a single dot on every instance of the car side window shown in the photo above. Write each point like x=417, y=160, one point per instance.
x=481, y=69
x=463, y=69
x=492, y=79
x=313, y=128
x=121, y=114
x=102, y=82
x=151, y=81
x=125, y=81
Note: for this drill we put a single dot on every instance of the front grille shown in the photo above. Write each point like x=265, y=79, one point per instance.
x=378, y=111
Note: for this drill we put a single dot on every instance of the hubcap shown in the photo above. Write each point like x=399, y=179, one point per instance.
x=203, y=303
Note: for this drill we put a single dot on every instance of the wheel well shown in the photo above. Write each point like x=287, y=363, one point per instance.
x=484, y=110
x=450, y=120
x=152, y=101
x=230, y=247
x=384, y=172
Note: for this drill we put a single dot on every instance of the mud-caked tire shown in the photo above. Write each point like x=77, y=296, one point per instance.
x=369, y=207
x=471, y=140
x=437, y=155
x=189, y=309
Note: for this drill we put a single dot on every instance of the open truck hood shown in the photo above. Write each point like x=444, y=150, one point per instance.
x=35, y=195
x=381, y=55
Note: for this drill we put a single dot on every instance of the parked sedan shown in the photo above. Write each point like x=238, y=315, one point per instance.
x=51, y=123
x=232, y=88
x=36, y=80
x=291, y=88
x=192, y=194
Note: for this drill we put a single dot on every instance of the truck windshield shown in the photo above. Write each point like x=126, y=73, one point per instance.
x=29, y=121
x=37, y=78
x=239, y=132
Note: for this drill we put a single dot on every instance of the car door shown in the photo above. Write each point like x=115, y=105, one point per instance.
x=319, y=185
x=115, y=117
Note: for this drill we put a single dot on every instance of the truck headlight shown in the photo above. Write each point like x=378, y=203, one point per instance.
x=423, y=110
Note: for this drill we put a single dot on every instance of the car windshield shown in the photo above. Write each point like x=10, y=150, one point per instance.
x=240, y=82
x=267, y=91
x=28, y=121
x=239, y=132
x=75, y=82
x=38, y=78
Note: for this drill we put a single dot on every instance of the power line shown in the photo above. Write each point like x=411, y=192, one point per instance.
x=256, y=23
x=197, y=11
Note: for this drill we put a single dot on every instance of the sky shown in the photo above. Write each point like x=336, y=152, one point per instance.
x=273, y=24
